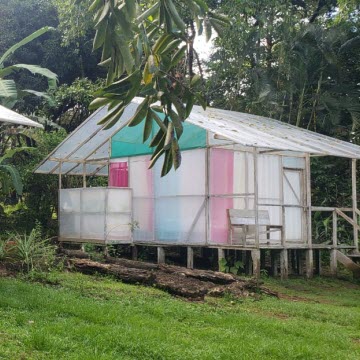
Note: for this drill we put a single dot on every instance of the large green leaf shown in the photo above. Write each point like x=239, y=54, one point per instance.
x=34, y=69
x=15, y=177
x=23, y=42
x=8, y=89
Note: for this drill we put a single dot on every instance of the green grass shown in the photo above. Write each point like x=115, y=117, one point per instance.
x=83, y=317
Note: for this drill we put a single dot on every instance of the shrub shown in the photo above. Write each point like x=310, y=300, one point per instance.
x=29, y=252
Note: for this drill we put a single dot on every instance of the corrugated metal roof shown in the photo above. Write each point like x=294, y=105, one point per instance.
x=13, y=117
x=91, y=145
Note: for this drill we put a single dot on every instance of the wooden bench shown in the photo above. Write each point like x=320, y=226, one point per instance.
x=244, y=218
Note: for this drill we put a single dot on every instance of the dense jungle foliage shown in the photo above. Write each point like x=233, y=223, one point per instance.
x=293, y=60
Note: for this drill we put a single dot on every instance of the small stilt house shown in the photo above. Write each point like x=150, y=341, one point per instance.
x=244, y=184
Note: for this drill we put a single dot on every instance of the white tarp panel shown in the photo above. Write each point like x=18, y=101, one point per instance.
x=12, y=117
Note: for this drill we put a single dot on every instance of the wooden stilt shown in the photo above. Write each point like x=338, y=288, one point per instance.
x=255, y=256
x=274, y=262
x=309, y=263
x=134, y=252
x=106, y=251
x=354, y=204
x=333, y=262
x=190, y=257
x=221, y=256
x=284, y=264
x=318, y=262
x=160, y=255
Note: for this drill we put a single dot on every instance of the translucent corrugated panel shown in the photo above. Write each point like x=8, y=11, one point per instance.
x=294, y=162
x=69, y=200
x=93, y=226
x=179, y=200
x=119, y=200
x=143, y=217
x=177, y=220
x=269, y=183
x=99, y=214
x=47, y=167
x=69, y=225
x=93, y=200
x=189, y=179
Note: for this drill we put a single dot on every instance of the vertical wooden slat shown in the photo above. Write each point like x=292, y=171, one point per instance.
x=256, y=200
x=84, y=175
x=221, y=256
x=190, y=257
x=354, y=203
x=160, y=255
x=308, y=200
x=284, y=264
x=333, y=260
x=255, y=256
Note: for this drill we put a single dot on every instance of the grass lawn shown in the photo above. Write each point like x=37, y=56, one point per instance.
x=84, y=317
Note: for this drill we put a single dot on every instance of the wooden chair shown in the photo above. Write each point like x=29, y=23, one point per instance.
x=244, y=218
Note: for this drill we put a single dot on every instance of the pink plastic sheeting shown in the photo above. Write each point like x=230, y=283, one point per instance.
x=221, y=182
x=119, y=174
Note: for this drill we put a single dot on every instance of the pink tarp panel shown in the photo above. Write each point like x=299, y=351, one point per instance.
x=119, y=174
x=221, y=183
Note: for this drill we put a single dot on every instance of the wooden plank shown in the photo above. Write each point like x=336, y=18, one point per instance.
x=256, y=202
x=284, y=264
x=347, y=218
x=308, y=200
x=334, y=229
x=333, y=262
x=160, y=255
x=309, y=263
x=348, y=263
x=221, y=256
x=190, y=258
x=255, y=256
x=354, y=203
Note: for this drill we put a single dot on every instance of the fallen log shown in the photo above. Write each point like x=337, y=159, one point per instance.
x=182, y=286
x=132, y=263
x=191, y=284
x=203, y=275
x=127, y=275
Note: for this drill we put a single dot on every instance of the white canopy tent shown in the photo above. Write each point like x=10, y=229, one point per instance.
x=12, y=117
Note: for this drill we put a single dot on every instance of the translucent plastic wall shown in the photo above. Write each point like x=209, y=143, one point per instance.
x=180, y=201
x=141, y=182
x=231, y=185
x=101, y=215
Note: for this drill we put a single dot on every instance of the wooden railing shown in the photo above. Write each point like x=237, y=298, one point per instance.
x=341, y=212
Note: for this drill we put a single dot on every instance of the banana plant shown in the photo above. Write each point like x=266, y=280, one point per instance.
x=9, y=92
x=9, y=175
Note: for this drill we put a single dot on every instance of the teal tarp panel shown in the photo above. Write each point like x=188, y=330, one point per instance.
x=128, y=141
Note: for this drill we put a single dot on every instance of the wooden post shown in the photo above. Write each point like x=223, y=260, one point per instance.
x=160, y=255
x=256, y=203
x=309, y=263
x=318, y=261
x=60, y=182
x=134, y=252
x=308, y=200
x=274, y=262
x=221, y=255
x=190, y=257
x=255, y=256
x=333, y=260
x=284, y=264
x=354, y=203
x=84, y=175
